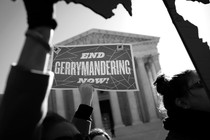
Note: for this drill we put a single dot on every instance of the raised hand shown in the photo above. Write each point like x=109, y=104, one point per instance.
x=86, y=92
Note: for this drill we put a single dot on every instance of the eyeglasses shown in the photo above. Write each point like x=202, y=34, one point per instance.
x=197, y=85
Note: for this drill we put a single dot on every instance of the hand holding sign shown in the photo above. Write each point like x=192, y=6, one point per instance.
x=86, y=92
x=103, y=65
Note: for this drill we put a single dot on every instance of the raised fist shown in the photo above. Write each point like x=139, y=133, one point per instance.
x=86, y=92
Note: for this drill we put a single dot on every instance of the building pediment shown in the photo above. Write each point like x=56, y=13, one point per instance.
x=98, y=36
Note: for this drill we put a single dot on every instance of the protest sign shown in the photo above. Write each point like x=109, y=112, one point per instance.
x=105, y=66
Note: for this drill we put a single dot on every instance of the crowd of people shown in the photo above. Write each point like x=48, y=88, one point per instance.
x=24, y=114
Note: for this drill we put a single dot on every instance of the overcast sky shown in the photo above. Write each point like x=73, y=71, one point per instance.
x=149, y=18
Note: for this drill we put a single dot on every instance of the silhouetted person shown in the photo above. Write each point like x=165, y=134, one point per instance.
x=186, y=105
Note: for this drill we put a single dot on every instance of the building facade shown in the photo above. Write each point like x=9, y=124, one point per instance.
x=117, y=109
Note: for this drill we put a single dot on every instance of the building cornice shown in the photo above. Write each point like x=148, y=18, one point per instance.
x=99, y=36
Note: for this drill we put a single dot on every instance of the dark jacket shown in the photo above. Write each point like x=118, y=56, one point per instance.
x=23, y=108
x=190, y=125
x=56, y=127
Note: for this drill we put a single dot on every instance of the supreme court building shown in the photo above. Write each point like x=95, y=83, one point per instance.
x=116, y=109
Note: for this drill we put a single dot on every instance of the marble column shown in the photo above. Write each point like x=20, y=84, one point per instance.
x=151, y=79
x=116, y=109
x=154, y=74
x=147, y=89
x=151, y=67
x=52, y=101
x=68, y=104
x=133, y=108
x=97, y=111
x=156, y=62
x=77, y=98
x=60, y=103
